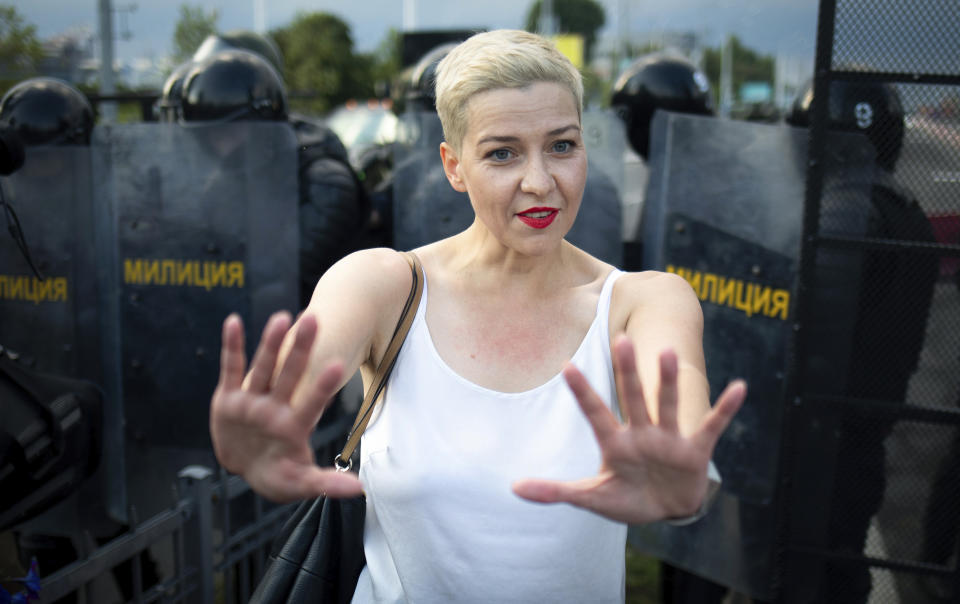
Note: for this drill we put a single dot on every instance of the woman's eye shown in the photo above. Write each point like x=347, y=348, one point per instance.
x=562, y=146
x=500, y=154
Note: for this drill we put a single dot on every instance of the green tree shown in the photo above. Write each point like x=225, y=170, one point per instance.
x=193, y=25
x=584, y=17
x=387, y=62
x=20, y=51
x=747, y=65
x=321, y=66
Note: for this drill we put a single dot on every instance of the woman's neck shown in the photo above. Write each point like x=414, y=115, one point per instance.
x=489, y=264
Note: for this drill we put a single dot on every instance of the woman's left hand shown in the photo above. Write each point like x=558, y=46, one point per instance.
x=649, y=470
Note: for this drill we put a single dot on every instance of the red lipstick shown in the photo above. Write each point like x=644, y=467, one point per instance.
x=538, y=218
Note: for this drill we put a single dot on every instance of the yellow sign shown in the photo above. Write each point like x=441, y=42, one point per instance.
x=571, y=45
x=751, y=298
x=31, y=289
x=191, y=273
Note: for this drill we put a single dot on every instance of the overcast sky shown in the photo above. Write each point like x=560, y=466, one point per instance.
x=772, y=26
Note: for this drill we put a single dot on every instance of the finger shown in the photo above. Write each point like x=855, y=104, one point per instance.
x=309, y=410
x=233, y=361
x=576, y=492
x=715, y=422
x=602, y=421
x=667, y=395
x=265, y=359
x=292, y=369
x=332, y=483
x=292, y=483
x=628, y=381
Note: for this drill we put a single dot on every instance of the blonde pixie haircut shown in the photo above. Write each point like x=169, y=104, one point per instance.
x=503, y=58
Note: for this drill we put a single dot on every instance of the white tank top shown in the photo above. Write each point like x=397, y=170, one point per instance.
x=437, y=464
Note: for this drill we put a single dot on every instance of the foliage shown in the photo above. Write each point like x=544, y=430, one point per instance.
x=321, y=64
x=584, y=17
x=193, y=26
x=747, y=65
x=20, y=50
x=643, y=578
x=387, y=62
x=596, y=89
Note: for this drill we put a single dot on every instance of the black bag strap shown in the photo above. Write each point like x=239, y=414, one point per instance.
x=343, y=461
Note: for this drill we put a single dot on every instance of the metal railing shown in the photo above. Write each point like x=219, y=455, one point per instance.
x=212, y=543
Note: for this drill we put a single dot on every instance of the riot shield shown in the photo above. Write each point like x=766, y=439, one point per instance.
x=52, y=198
x=53, y=323
x=204, y=223
x=597, y=229
x=730, y=223
x=426, y=208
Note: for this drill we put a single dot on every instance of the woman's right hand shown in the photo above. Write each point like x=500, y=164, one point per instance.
x=256, y=429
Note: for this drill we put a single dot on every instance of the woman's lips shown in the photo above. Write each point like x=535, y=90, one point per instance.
x=538, y=218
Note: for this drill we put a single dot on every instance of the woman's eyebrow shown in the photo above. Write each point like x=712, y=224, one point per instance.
x=510, y=139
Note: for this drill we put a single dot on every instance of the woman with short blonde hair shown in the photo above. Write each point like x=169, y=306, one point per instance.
x=533, y=373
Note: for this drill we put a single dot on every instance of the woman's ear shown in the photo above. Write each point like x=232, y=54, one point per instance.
x=451, y=167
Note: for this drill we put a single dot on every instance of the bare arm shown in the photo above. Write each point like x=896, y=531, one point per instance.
x=663, y=313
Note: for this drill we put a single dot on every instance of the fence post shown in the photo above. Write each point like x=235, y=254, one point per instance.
x=196, y=484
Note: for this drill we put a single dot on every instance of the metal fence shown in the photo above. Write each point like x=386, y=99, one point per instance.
x=211, y=545
x=869, y=471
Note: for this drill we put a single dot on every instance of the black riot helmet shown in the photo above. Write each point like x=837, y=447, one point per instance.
x=870, y=108
x=421, y=88
x=243, y=40
x=233, y=85
x=658, y=81
x=47, y=111
x=167, y=108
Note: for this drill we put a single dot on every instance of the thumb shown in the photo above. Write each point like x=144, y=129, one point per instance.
x=577, y=492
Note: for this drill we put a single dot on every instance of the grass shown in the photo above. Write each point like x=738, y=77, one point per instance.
x=643, y=578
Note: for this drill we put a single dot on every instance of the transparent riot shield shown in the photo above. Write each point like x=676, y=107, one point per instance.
x=204, y=224
x=724, y=209
x=426, y=208
x=599, y=222
x=53, y=323
x=52, y=198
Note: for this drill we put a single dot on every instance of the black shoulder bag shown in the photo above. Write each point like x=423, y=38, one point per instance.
x=319, y=553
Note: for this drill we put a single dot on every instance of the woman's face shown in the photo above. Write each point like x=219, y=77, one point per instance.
x=523, y=164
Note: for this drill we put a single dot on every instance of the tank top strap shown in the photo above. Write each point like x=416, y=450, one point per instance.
x=603, y=304
x=421, y=315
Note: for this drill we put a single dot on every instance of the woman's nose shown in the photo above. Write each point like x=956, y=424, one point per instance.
x=537, y=179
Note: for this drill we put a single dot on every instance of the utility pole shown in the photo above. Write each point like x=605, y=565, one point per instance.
x=259, y=16
x=726, y=77
x=546, y=18
x=108, y=110
x=409, y=15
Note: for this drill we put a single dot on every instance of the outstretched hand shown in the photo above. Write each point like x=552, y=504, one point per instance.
x=649, y=470
x=256, y=429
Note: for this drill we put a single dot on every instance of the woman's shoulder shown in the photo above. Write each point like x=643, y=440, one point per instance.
x=652, y=282
x=635, y=291
x=379, y=273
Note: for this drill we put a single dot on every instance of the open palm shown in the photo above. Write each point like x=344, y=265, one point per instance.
x=256, y=428
x=649, y=470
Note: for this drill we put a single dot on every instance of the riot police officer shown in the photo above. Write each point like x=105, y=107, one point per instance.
x=658, y=81
x=47, y=111
x=651, y=82
x=43, y=111
x=168, y=105
x=895, y=292
x=235, y=84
